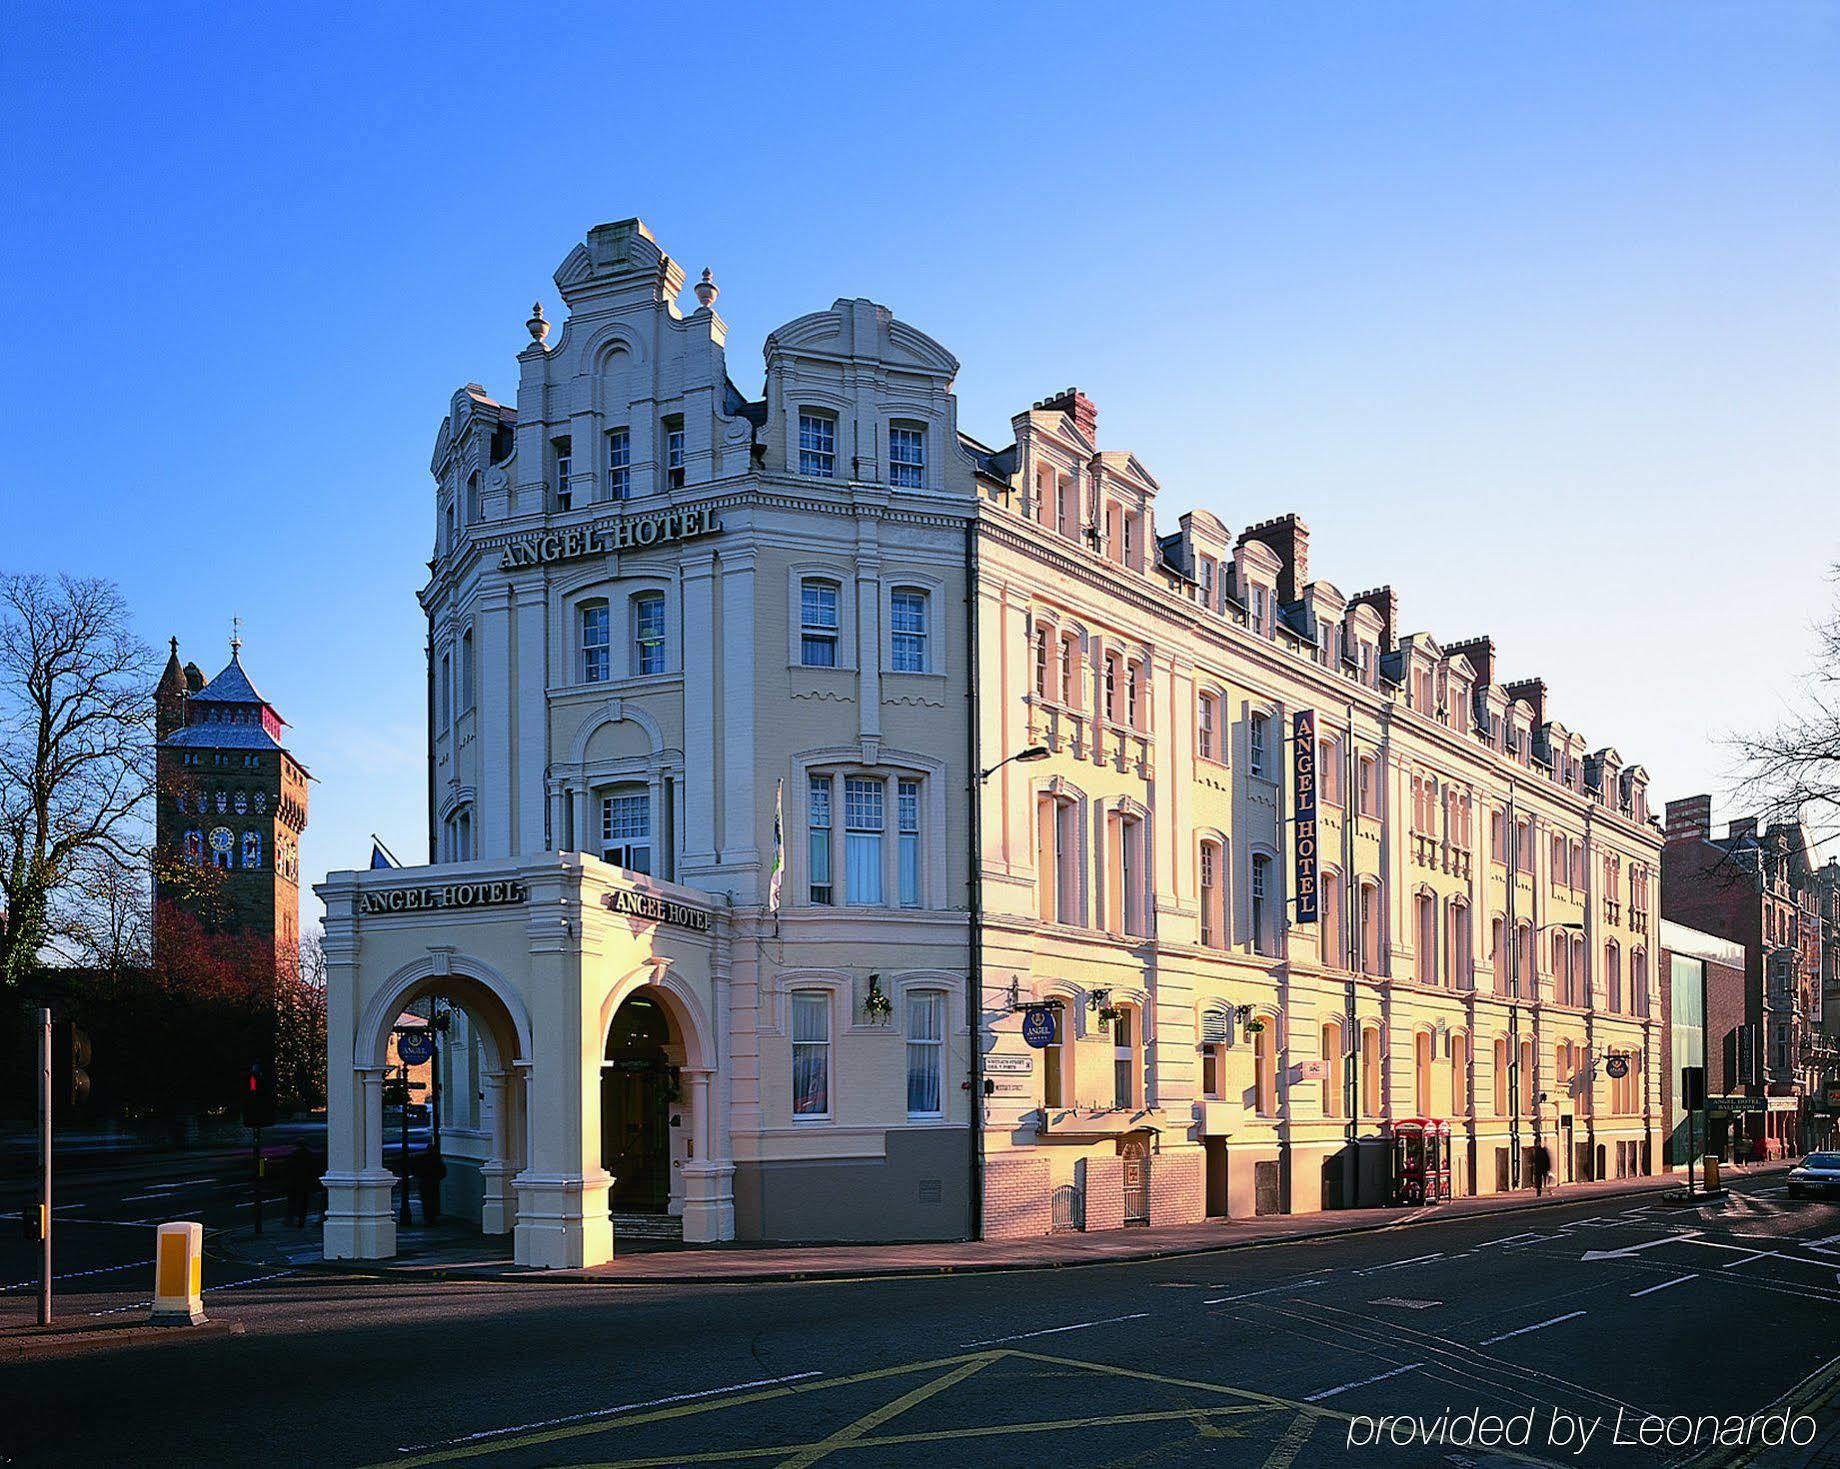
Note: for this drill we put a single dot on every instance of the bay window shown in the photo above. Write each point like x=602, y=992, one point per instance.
x=863, y=821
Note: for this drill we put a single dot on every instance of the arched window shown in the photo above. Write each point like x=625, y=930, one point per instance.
x=1057, y=888
x=819, y=622
x=626, y=828
x=648, y=645
x=1425, y=937
x=1069, y=665
x=252, y=849
x=1334, y=1069
x=1134, y=694
x=907, y=455
x=1502, y=1094
x=1459, y=1075
x=1638, y=982
x=1371, y=948
x=1329, y=771
x=1613, y=977
x=1207, y=727
x=1372, y=1088
x=194, y=846
x=1460, y=963
x=1369, y=778
x=1562, y=968
x=1527, y=1075
x=926, y=1036
x=909, y=622
x=240, y=802
x=1212, y=867
x=1265, y=900
x=1057, y=1064
x=1331, y=930
x=1124, y=1058
x=1265, y=1066
x=596, y=632
x=1423, y=1052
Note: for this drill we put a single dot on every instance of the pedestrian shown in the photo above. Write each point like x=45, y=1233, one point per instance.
x=429, y=1171
x=300, y=1177
x=1542, y=1168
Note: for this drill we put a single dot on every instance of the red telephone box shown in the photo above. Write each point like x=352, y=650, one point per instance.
x=1421, y=1161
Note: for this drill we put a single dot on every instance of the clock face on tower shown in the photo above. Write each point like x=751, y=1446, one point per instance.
x=220, y=839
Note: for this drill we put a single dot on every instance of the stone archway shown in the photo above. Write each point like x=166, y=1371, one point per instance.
x=360, y=1217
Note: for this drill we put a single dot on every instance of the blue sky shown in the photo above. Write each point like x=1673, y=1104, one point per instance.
x=1528, y=309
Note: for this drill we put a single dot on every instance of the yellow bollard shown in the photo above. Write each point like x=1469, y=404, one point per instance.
x=1712, y=1173
x=178, y=1275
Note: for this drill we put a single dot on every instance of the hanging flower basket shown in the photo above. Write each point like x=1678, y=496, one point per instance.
x=1253, y=1027
x=877, y=1006
x=1109, y=1013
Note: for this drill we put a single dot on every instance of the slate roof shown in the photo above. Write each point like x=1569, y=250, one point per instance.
x=209, y=736
x=232, y=686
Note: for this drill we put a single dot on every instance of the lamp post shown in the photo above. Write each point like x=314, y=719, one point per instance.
x=1029, y=755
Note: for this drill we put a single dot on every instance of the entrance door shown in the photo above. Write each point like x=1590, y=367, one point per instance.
x=637, y=1086
x=1568, y=1152
x=1136, y=1154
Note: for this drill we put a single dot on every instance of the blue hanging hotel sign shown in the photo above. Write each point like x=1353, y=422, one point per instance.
x=1303, y=814
x=1040, y=1027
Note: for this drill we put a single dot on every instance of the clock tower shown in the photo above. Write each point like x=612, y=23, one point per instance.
x=233, y=803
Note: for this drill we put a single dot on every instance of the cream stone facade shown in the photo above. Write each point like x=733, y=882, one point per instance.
x=724, y=696
x=667, y=622
x=1214, y=1056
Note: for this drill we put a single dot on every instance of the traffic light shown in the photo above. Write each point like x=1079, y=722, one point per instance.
x=259, y=1098
x=69, y=1065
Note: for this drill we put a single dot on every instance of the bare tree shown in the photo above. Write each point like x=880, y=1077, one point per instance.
x=1792, y=772
x=76, y=756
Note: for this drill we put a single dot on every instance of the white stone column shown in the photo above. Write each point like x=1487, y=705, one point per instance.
x=493, y=834
x=360, y=1220
x=708, y=1183
x=740, y=650
x=702, y=774
x=498, y=1212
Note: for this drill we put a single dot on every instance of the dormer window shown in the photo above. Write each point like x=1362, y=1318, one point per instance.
x=817, y=444
x=1256, y=603
x=907, y=456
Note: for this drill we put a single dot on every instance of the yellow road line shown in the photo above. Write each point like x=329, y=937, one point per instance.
x=851, y=1432
x=1298, y=1434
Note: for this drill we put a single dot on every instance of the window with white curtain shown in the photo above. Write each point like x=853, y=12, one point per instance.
x=819, y=823
x=863, y=824
x=907, y=456
x=811, y=1053
x=648, y=632
x=907, y=621
x=626, y=830
x=818, y=623
x=1264, y=906
x=926, y=1016
x=907, y=820
x=596, y=643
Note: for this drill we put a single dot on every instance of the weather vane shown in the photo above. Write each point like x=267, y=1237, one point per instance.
x=236, y=635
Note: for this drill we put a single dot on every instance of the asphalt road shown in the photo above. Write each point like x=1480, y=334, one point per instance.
x=1276, y=1356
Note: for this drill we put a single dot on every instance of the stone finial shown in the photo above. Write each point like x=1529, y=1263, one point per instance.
x=537, y=326
x=706, y=289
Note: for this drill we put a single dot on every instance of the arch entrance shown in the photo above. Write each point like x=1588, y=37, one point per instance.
x=641, y=1096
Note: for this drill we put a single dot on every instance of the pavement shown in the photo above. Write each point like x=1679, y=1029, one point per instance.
x=456, y=1251
x=1554, y=1330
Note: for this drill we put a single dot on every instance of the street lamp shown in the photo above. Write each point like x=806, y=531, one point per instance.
x=1026, y=756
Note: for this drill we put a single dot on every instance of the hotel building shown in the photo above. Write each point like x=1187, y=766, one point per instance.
x=790, y=759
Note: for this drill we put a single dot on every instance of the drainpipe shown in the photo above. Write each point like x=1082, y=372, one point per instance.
x=974, y=985
x=428, y=664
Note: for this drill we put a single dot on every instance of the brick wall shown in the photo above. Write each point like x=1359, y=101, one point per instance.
x=1017, y=1202
x=1178, y=1188
x=1105, y=1192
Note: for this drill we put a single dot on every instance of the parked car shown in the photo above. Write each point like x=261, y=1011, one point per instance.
x=1818, y=1173
x=421, y=1132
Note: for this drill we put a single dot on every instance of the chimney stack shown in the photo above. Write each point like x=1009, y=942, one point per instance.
x=1690, y=819
x=1290, y=538
x=1077, y=406
x=1382, y=600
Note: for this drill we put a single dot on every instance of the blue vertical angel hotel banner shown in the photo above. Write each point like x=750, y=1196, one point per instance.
x=1303, y=812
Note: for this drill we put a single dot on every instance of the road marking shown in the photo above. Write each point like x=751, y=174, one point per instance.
x=1627, y=1250
x=1269, y=1290
x=1649, y=1290
x=848, y=1435
x=1406, y=1303
x=221, y=1285
x=680, y=1397
x=80, y=1274
x=137, y=1198
x=1754, y=1255
x=1506, y=1239
x=992, y=1341
x=1330, y=1392
x=1537, y=1326
x=1396, y=1264
x=1295, y=1437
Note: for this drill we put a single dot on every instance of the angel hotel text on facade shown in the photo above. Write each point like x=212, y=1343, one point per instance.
x=725, y=696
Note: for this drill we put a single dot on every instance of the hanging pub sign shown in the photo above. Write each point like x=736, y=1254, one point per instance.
x=1040, y=1027
x=1303, y=813
x=1616, y=1065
